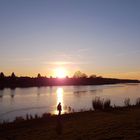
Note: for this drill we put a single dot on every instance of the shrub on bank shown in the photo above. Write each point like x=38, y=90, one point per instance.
x=19, y=119
x=100, y=104
x=97, y=103
x=127, y=102
x=107, y=104
x=138, y=102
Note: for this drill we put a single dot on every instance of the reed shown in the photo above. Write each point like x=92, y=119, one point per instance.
x=127, y=102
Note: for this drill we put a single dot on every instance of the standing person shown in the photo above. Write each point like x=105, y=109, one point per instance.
x=59, y=108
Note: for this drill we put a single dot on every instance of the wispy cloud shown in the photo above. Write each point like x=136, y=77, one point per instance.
x=19, y=60
x=84, y=50
x=129, y=53
x=56, y=63
x=64, y=63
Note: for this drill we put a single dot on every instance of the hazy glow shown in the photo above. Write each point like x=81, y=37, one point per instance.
x=60, y=72
x=59, y=95
x=94, y=36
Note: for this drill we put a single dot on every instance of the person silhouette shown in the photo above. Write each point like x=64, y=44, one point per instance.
x=59, y=108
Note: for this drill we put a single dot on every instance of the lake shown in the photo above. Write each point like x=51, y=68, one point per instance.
x=38, y=100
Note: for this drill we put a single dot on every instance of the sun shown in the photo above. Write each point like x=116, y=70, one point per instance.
x=60, y=72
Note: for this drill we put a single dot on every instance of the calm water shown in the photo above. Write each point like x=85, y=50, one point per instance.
x=20, y=101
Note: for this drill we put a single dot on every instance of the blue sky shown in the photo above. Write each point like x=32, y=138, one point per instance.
x=95, y=36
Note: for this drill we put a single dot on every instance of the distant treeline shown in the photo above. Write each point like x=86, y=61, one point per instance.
x=13, y=81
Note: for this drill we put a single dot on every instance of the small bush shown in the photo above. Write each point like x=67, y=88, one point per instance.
x=19, y=119
x=27, y=117
x=46, y=115
x=36, y=116
x=100, y=104
x=138, y=102
x=97, y=104
x=107, y=104
x=127, y=102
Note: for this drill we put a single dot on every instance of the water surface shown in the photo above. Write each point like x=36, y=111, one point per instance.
x=37, y=100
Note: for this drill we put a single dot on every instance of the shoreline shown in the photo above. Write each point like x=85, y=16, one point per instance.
x=116, y=123
x=133, y=83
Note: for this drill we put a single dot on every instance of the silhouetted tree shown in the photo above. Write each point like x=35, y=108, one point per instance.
x=39, y=75
x=2, y=75
x=79, y=74
x=13, y=75
x=100, y=76
x=84, y=75
x=92, y=76
x=67, y=77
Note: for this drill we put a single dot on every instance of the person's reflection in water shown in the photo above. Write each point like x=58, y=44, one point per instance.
x=1, y=94
x=12, y=93
x=59, y=121
x=59, y=126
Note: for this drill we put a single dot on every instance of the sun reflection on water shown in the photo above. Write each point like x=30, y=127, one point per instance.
x=59, y=93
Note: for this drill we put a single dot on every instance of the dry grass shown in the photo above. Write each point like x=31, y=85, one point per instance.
x=101, y=104
x=118, y=124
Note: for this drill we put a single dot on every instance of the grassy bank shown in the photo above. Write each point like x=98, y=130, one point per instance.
x=119, y=123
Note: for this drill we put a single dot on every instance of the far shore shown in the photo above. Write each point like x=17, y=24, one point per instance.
x=78, y=79
x=13, y=82
x=115, y=124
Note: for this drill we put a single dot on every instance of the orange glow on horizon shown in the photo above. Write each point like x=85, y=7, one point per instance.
x=62, y=72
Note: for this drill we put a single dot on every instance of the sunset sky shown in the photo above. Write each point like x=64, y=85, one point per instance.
x=94, y=36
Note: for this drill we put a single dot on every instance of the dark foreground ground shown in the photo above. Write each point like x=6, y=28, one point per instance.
x=119, y=124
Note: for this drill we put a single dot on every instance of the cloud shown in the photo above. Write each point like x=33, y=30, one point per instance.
x=56, y=63
x=128, y=53
x=65, y=63
x=84, y=50
x=19, y=59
